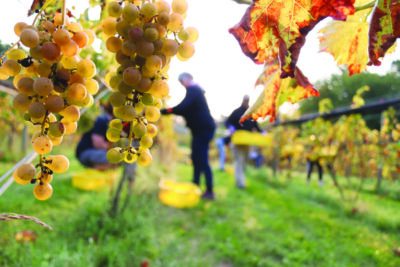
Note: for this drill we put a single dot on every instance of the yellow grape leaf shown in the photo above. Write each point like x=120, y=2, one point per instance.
x=277, y=91
x=347, y=41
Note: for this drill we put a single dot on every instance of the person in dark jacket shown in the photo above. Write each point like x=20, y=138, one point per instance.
x=195, y=110
x=241, y=152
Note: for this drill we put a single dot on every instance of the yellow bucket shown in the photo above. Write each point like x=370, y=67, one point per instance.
x=179, y=195
x=94, y=180
x=242, y=137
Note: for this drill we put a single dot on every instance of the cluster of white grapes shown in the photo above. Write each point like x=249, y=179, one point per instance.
x=53, y=82
x=144, y=35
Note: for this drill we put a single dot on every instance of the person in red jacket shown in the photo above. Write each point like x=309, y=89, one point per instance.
x=194, y=109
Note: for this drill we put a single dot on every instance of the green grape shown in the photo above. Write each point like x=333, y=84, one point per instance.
x=164, y=18
x=158, y=103
x=56, y=129
x=152, y=114
x=21, y=102
x=146, y=141
x=126, y=113
x=36, y=110
x=115, y=80
x=114, y=9
x=125, y=88
x=130, y=157
x=42, y=145
x=151, y=130
x=148, y=99
x=193, y=34
x=114, y=155
x=151, y=34
x=183, y=35
x=117, y=99
x=139, y=106
x=43, y=86
x=145, y=158
x=130, y=13
x=36, y=52
x=149, y=10
x=70, y=113
x=113, y=134
x=139, y=129
x=116, y=123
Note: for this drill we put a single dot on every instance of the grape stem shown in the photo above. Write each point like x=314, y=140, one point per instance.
x=46, y=4
x=8, y=50
x=63, y=12
x=365, y=6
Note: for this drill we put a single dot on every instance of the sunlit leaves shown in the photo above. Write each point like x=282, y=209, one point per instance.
x=277, y=91
x=347, y=41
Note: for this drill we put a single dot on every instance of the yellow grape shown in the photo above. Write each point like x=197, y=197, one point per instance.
x=19, y=77
x=126, y=113
x=54, y=103
x=144, y=85
x=26, y=171
x=128, y=48
x=153, y=63
x=92, y=86
x=116, y=123
x=21, y=102
x=115, y=80
x=3, y=75
x=129, y=157
x=45, y=177
x=114, y=9
x=113, y=134
x=151, y=130
x=70, y=127
x=69, y=62
x=81, y=39
x=117, y=99
x=56, y=129
x=58, y=19
x=186, y=49
x=42, y=145
x=113, y=44
x=59, y=163
x=49, y=26
x=170, y=47
x=36, y=110
x=159, y=89
x=163, y=7
x=144, y=158
x=19, y=27
x=88, y=101
x=179, y=6
x=139, y=107
x=61, y=37
x=109, y=26
x=91, y=36
x=183, y=35
x=44, y=69
x=36, y=52
x=76, y=93
x=114, y=155
x=130, y=13
x=152, y=114
x=11, y=67
x=176, y=22
x=70, y=113
x=193, y=34
x=74, y=27
x=132, y=76
x=76, y=78
x=16, y=54
x=29, y=37
x=32, y=70
x=151, y=34
x=86, y=68
x=146, y=141
x=19, y=180
x=43, y=191
x=56, y=140
x=123, y=28
x=70, y=49
x=43, y=86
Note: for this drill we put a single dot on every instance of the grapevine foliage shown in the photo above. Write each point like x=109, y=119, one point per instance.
x=276, y=30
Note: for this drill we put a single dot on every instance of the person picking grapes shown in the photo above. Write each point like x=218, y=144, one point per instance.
x=241, y=152
x=92, y=148
x=194, y=109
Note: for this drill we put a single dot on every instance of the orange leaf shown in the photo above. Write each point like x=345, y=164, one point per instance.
x=277, y=91
x=273, y=29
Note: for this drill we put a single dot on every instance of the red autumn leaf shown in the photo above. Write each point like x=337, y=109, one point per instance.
x=277, y=91
x=384, y=29
x=273, y=29
x=36, y=4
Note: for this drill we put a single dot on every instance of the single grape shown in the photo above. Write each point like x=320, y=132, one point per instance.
x=114, y=155
x=44, y=177
x=44, y=69
x=146, y=141
x=76, y=78
x=144, y=48
x=152, y=114
x=193, y=34
x=51, y=51
x=144, y=158
x=179, y=6
x=86, y=68
x=26, y=171
x=139, y=130
x=183, y=35
x=29, y=37
x=43, y=86
x=159, y=89
x=144, y=85
x=54, y=103
x=163, y=7
x=58, y=164
x=56, y=129
x=113, y=44
x=151, y=130
x=70, y=113
x=116, y=123
x=92, y=86
x=114, y=9
x=74, y=27
x=124, y=88
x=58, y=20
x=135, y=34
x=61, y=37
x=132, y=76
x=11, y=67
x=149, y=10
x=19, y=27
x=76, y=93
x=117, y=99
x=130, y=13
x=16, y=54
x=91, y=36
x=56, y=140
x=49, y=26
x=69, y=62
x=148, y=99
x=153, y=63
x=36, y=52
x=129, y=157
x=128, y=48
x=42, y=145
x=43, y=191
x=63, y=75
x=170, y=47
x=70, y=127
x=186, y=49
x=127, y=113
x=176, y=22
x=36, y=110
x=113, y=134
x=21, y=102
x=81, y=39
x=139, y=107
x=164, y=18
x=19, y=180
x=70, y=49
x=151, y=34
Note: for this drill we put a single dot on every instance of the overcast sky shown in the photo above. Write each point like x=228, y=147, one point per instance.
x=218, y=65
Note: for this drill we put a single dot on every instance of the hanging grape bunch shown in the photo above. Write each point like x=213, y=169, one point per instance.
x=51, y=79
x=144, y=35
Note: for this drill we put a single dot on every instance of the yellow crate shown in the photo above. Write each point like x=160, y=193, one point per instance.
x=179, y=195
x=242, y=137
x=94, y=180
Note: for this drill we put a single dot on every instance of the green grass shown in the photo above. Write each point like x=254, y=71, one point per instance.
x=271, y=223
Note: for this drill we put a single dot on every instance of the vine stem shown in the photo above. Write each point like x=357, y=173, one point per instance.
x=46, y=4
x=365, y=6
x=63, y=12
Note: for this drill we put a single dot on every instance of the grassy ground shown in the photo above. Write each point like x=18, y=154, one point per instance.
x=271, y=223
